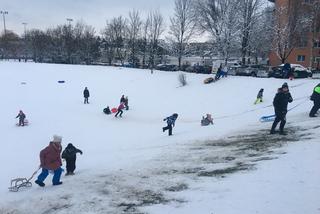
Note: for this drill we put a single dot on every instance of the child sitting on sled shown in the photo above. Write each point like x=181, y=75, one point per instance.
x=259, y=97
x=206, y=120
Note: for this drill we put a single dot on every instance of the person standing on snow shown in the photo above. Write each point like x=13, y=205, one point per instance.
x=280, y=103
x=122, y=99
x=259, y=96
x=70, y=155
x=170, y=123
x=50, y=160
x=21, y=117
x=121, y=106
x=315, y=97
x=86, y=95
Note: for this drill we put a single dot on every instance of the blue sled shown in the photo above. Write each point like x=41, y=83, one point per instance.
x=269, y=118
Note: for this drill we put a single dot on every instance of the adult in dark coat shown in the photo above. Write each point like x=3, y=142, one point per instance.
x=70, y=155
x=21, y=117
x=50, y=160
x=122, y=99
x=280, y=103
x=286, y=69
x=315, y=97
x=86, y=95
x=170, y=123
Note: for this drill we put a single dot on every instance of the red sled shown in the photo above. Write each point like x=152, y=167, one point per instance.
x=114, y=110
x=26, y=122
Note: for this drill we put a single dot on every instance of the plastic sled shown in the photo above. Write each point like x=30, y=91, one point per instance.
x=269, y=118
x=114, y=110
x=26, y=123
x=208, y=80
x=61, y=81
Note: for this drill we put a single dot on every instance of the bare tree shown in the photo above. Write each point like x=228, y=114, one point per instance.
x=154, y=31
x=249, y=10
x=283, y=34
x=134, y=32
x=182, y=27
x=220, y=19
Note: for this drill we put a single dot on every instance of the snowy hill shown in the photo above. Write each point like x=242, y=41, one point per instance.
x=130, y=166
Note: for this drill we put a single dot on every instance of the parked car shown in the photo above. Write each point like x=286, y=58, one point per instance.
x=199, y=69
x=316, y=74
x=298, y=71
x=167, y=67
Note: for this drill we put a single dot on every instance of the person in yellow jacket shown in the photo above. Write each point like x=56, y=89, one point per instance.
x=315, y=97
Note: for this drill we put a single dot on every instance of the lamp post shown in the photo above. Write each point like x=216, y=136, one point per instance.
x=4, y=20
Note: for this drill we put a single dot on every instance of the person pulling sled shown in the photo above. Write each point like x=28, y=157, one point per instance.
x=22, y=118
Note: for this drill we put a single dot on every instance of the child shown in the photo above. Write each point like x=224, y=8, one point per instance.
x=21, y=116
x=107, y=110
x=206, y=120
x=259, y=97
x=70, y=155
x=170, y=123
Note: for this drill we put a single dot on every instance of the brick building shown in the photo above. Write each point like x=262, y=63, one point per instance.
x=297, y=33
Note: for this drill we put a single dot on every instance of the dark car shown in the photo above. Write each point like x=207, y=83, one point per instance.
x=199, y=69
x=167, y=67
x=298, y=71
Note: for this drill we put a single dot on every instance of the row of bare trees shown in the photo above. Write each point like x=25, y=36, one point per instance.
x=233, y=28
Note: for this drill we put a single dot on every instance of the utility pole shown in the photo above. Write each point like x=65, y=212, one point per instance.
x=4, y=20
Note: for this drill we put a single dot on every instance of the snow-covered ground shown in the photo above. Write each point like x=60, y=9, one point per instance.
x=130, y=166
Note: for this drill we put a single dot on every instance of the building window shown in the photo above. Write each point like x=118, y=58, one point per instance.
x=301, y=58
x=317, y=60
x=316, y=44
x=308, y=1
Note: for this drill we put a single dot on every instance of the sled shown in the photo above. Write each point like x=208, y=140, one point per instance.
x=61, y=81
x=208, y=80
x=269, y=118
x=114, y=110
x=26, y=123
x=18, y=183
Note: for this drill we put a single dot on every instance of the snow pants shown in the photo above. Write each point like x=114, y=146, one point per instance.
x=56, y=176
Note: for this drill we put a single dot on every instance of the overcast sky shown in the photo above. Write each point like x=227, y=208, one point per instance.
x=48, y=13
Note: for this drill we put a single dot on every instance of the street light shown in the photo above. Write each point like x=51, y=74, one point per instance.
x=4, y=20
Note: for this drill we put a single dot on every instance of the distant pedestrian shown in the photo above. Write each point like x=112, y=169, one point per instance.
x=21, y=117
x=315, y=97
x=126, y=103
x=286, y=69
x=86, y=95
x=70, y=155
x=50, y=160
x=280, y=103
x=170, y=123
x=122, y=99
x=259, y=96
x=120, y=108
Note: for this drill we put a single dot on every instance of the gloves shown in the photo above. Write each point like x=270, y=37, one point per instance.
x=81, y=153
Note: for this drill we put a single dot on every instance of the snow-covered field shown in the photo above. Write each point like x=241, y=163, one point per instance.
x=130, y=166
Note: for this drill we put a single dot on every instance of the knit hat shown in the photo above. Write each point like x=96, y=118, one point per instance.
x=57, y=139
x=285, y=85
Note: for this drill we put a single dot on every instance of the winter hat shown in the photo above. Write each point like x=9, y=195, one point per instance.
x=285, y=85
x=70, y=145
x=57, y=139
